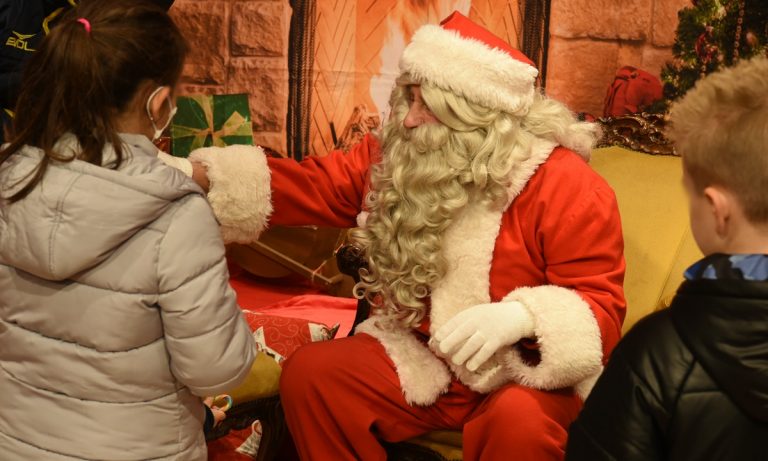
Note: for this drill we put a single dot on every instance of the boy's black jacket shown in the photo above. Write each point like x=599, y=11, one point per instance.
x=686, y=383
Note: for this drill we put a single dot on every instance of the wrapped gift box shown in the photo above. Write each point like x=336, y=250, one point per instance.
x=210, y=120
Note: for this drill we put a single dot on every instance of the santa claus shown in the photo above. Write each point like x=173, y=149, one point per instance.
x=495, y=258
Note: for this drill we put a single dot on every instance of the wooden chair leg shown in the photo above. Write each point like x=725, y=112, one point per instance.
x=350, y=259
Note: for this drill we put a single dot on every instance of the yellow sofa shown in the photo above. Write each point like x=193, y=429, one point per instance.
x=658, y=244
x=658, y=247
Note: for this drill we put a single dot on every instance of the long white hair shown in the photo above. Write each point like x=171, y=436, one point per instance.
x=428, y=174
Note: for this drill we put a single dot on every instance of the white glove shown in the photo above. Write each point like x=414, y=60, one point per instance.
x=180, y=163
x=475, y=334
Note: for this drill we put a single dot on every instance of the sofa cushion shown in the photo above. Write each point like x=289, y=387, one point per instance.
x=262, y=381
x=277, y=337
x=658, y=244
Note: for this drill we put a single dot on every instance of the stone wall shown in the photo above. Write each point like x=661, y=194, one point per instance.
x=591, y=39
x=240, y=47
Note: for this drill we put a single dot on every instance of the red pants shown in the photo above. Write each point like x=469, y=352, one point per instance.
x=341, y=396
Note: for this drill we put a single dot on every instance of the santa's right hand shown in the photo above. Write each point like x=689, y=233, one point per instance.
x=179, y=163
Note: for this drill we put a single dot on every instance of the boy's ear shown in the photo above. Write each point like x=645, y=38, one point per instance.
x=721, y=206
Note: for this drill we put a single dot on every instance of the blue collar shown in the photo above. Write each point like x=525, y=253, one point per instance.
x=720, y=266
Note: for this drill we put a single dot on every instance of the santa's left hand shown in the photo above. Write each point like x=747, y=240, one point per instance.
x=475, y=334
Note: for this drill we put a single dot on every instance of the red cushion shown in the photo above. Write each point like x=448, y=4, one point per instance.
x=280, y=336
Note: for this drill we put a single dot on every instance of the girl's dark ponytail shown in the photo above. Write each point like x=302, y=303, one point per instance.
x=79, y=80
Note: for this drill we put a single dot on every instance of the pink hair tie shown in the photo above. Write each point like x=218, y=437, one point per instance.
x=86, y=24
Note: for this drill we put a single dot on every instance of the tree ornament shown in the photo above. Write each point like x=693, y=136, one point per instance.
x=751, y=39
x=712, y=34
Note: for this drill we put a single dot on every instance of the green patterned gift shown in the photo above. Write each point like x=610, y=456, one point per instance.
x=210, y=120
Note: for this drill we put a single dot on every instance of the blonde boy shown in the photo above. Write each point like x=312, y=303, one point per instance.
x=691, y=382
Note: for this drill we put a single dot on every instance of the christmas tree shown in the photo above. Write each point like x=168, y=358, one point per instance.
x=712, y=34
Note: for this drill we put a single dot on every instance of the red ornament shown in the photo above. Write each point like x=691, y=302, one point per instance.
x=705, y=50
x=751, y=39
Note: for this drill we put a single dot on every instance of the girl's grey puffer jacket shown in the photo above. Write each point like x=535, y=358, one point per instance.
x=115, y=311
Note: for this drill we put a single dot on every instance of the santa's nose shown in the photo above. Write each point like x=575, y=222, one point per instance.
x=413, y=119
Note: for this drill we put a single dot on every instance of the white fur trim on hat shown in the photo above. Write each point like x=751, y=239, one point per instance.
x=487, y=76
x=240, y=192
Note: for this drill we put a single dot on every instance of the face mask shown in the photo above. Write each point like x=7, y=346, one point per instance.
x=159, y=131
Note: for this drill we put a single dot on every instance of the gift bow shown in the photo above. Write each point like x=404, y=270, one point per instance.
x=236, y=125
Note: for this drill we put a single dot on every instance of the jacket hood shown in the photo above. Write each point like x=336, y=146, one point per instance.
x=79, y=214
x=724, y=323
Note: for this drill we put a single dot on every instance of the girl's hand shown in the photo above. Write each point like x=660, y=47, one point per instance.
x=218, y=414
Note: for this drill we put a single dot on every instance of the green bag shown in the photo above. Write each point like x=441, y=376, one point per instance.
x=210, y=120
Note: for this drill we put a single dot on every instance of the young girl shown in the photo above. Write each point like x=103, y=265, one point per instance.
x=111, y=328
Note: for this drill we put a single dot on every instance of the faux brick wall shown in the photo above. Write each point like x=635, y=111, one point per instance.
x=591, y=39
x=240, y=47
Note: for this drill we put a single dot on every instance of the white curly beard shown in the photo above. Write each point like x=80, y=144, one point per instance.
x=416, y=192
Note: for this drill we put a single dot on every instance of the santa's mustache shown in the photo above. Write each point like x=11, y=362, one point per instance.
x=421, y=139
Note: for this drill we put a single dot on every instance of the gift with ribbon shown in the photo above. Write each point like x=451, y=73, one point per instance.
x=210, y=120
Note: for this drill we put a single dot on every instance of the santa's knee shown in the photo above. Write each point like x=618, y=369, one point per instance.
x=522, y=417
x=318, y=368
x=304, y=374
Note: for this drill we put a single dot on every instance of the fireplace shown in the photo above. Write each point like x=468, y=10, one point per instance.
x=342, y=58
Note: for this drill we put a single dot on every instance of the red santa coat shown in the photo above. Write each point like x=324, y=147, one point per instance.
x=556, y=248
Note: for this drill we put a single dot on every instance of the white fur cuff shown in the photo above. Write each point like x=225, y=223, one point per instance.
x=240, y=192
x=569, y=340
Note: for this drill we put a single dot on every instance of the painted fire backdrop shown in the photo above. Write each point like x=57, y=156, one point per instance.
x=319, y=72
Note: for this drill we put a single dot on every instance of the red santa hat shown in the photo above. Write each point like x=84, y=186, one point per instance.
x=464, y=58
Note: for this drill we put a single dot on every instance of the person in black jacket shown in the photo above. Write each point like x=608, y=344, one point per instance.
x=23, y=25
x=691, y=382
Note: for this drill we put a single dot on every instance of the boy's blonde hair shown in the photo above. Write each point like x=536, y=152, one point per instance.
x=721, y=129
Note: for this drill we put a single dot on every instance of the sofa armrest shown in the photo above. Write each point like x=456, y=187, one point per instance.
x=641, y=132
x=350, y=259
